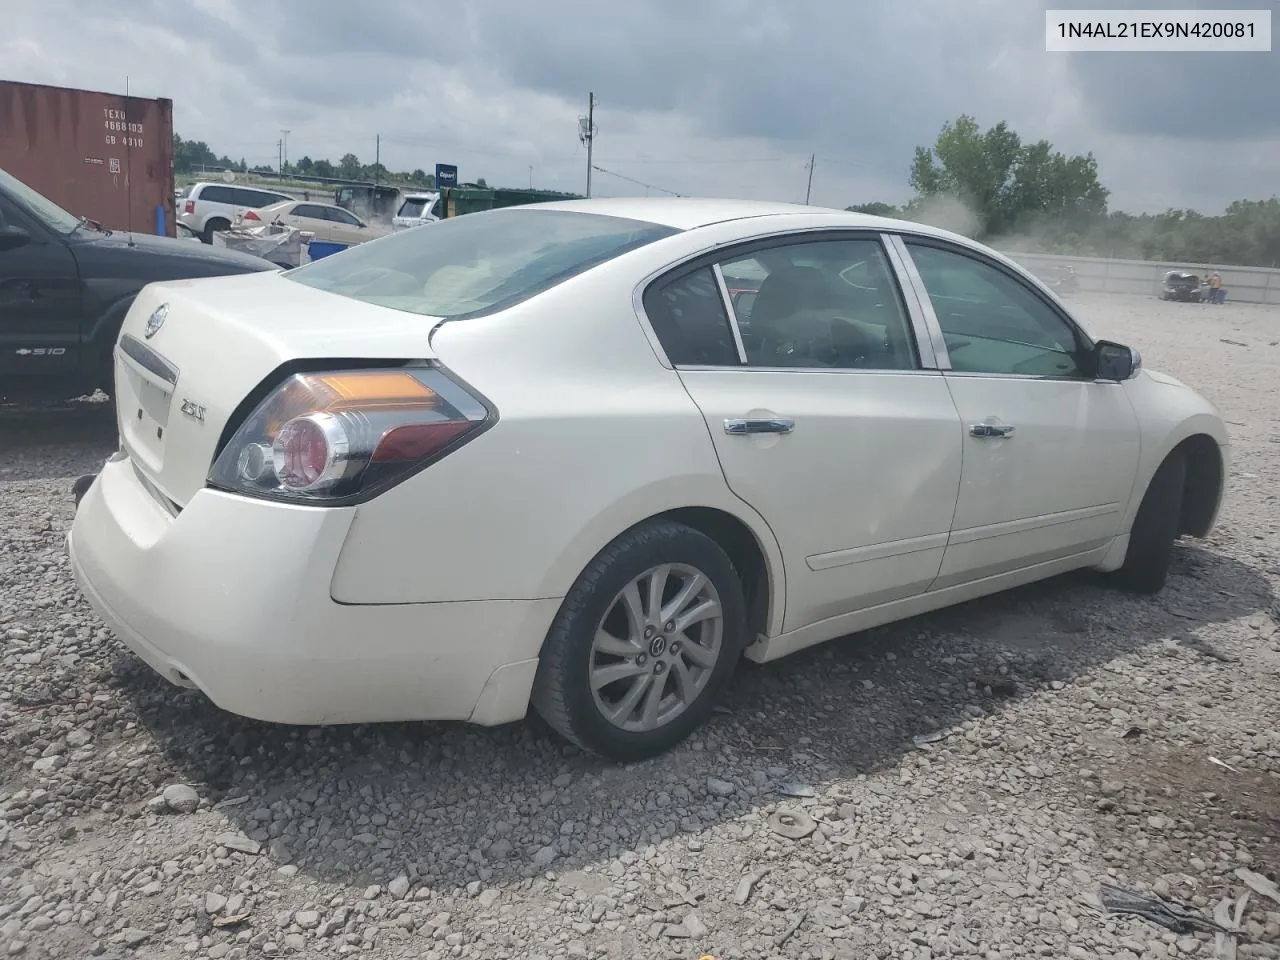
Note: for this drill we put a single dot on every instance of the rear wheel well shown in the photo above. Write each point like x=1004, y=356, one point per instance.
x=737, y=540
x=1203, y=488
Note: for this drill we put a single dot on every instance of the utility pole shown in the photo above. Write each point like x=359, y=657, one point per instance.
x=280, y=156
x=531, y=176
x=377, y=158
x=809, y=189
x=587, y=134
x=284, y=150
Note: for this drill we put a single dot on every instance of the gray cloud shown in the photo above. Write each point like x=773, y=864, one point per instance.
x=725, y=97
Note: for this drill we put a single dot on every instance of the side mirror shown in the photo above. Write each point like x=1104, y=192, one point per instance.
x=11, y=236
x=1115, y=362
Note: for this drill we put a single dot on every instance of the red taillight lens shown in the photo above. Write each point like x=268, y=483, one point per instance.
x=337, y=435
x=417, y=441
x=189, y=207
x=250, y=215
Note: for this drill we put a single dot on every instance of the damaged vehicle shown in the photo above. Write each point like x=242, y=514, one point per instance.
x=537, y=458
x=1183, y=285
x=417, y=209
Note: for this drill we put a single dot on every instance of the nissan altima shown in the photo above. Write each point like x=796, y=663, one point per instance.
x=539, y=457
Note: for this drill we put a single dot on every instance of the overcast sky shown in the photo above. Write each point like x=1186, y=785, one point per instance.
x=709, y=97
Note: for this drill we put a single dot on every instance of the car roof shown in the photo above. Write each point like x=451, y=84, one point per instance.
x=689, y=213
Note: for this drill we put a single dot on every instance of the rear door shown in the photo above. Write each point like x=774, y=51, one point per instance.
x=824, y=410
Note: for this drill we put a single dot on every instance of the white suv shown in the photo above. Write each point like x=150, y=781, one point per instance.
x=417, y=209
x=210, y=207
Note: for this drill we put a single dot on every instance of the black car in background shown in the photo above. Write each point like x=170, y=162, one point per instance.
x=1182, y=285
x=66, y=284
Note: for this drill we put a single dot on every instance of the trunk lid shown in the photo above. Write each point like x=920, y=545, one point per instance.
x=218, y=340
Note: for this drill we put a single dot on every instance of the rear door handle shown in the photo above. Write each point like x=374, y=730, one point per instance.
x=746, y=426
x=988, y=431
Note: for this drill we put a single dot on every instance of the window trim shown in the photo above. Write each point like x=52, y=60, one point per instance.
x=726, y=301
x=1084, y=342
x=915, y=316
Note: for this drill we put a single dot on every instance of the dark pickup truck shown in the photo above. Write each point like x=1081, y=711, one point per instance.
x=66, y=284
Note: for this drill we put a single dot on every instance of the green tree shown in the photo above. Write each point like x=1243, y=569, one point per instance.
x=304, y=166
x=1008, y=186
x=349, y=167
x=876, y=209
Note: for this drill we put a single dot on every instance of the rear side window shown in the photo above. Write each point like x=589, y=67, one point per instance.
x=477, y=263
x=257, y=198
x=688, y=316
x=216, y=194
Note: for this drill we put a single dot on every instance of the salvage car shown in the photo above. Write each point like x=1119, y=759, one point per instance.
x=534, y=456
x=65, y=286
x=1183, y=285
x=324, y=221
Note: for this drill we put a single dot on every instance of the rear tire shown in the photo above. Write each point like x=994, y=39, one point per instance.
x=621, y=678
x=1155, y=529
x=212, y=227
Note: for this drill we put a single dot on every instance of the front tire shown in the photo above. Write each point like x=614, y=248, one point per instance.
x=1155, y=529
x=644, y=643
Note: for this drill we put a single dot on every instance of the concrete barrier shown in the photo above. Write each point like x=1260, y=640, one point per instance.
x=1096, y=275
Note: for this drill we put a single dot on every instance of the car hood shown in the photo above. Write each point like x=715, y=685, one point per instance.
x=1165, y=379
x=149, y=258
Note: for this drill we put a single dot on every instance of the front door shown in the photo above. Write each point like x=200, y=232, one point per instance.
x=39, y=307
x=1050, y=454
x=345, y=227
x=821, y=413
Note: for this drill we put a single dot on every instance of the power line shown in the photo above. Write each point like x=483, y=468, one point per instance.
x=639, y=183
x=725, y=161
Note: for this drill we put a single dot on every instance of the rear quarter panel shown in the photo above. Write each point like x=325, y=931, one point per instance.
x=594, y=435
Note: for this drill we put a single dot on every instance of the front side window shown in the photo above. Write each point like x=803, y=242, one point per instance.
x=338, y=215
x=992, y=323
x=477, y=263
x=827, y=303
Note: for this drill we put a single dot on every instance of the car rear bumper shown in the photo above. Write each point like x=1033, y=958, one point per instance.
x=232, y=596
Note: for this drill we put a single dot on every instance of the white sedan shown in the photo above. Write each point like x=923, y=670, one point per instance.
x=326, y=221
x=537, y=456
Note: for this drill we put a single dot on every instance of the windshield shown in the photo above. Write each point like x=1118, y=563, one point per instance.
x=42, y=208
x=477, y=263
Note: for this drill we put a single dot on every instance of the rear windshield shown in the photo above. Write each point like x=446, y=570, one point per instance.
x=412, y=208
x=476, y=263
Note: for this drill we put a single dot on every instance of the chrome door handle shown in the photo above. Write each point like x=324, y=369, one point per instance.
x=744, y=427
x=987, y=431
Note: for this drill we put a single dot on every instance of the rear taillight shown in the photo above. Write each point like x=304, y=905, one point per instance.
x=189, y=207
x=344, y=435
x=250, y=215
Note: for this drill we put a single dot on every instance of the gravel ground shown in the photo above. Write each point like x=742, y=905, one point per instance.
x=956, y=785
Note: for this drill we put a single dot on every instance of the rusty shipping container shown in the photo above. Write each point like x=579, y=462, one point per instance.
x=103, y=156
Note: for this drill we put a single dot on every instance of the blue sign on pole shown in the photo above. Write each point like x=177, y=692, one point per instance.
x=446, y=175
